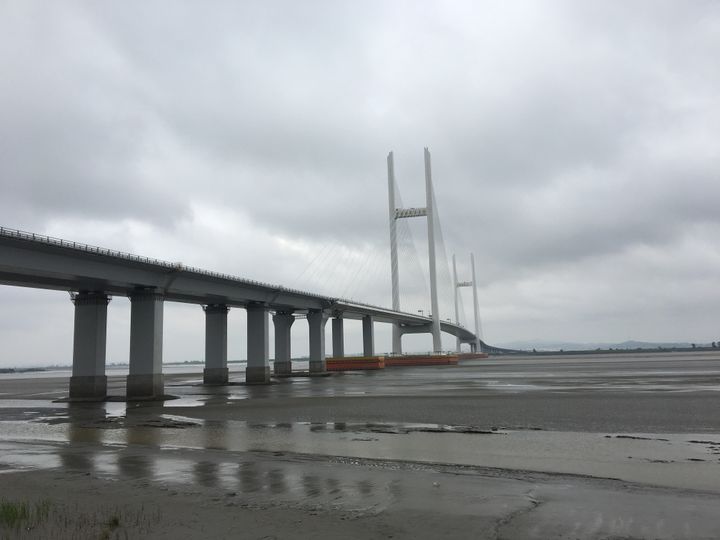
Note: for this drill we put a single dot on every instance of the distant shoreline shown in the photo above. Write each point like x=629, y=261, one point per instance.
x=509, y=352
x=640, y=350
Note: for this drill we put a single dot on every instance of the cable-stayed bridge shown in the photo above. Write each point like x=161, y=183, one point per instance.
x=93, y=275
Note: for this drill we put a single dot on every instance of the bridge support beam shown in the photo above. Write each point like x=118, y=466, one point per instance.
x=258, y=338
x=216, y=370
x=396, y=339
x=316, y=322
x=283, y=322
x=145, y=380
x=368, y=336
x=338, y=336
x=88, y=380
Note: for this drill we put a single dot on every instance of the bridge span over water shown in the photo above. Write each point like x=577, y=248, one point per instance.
x=93, y=275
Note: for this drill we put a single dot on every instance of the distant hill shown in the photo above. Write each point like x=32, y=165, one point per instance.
x=547, y=345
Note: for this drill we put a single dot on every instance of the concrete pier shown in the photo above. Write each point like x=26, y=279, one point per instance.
x=258, y=337
x=283, y=321
x=216, y=370
x=368, y=336
x=145, y=380
x=338, y=336
x=88, y=380
x=316, y=321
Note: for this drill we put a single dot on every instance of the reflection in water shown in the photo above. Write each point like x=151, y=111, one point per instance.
x=395, y=488
x=215, y=435
x=75, y=461
x=81, y=418
x=206, y=473
x=276, y=480
x=311, y=485
x=333, y=486
x=249, y=477
x=135, y=466
x=142, y=436
x=365, y=487
x=266, y=477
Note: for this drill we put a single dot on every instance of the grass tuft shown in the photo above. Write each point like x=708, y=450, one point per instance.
x=114, y=522
x=15, y=514
x=46, y=520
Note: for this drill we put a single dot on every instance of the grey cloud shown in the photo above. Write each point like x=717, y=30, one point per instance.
x=562, y=134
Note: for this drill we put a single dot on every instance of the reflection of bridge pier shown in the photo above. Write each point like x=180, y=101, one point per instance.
x=130, y=463
x=206, y=473
x=249, y=476
x=81, y=431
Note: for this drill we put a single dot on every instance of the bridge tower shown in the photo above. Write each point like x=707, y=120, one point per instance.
x=401, y=213
x=456, y=285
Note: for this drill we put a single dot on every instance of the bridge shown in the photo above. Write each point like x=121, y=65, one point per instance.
x=94, y=274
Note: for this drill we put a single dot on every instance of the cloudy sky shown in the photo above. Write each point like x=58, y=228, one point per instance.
x=576, y=152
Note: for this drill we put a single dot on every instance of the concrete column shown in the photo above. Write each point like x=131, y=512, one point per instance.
x=216, y=370
x=283, y=322
x=316, y=322
x=338, y=336
x=88, y=380
x=145, y=380
x=258, y=337
x=368, y=336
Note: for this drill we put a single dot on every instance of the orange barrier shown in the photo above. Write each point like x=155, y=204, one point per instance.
x=355, y=363
x=422, y=360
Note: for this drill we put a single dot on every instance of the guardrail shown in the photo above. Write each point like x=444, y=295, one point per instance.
x=88, y=248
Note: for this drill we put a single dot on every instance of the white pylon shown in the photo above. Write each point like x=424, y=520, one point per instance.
x=396, y=335
x=478, y=343
x=458, y=343
x=399, y=213
x=437, y=342
x=457, y=284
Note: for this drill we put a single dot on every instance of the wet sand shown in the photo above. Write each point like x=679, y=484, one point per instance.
x=586, y=447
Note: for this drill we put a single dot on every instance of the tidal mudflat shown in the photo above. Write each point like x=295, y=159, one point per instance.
x=616, y=446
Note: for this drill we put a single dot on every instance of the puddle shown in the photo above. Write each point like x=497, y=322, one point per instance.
x=670, y=459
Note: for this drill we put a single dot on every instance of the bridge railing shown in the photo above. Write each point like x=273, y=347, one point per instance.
x=89, y=248
x=44, y=239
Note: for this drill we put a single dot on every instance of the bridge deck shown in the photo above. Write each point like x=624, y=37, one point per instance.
x=37, y=261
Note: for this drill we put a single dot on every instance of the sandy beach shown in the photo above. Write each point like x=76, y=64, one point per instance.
x=565, y=447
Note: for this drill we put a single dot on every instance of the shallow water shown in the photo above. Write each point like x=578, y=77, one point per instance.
x=551, y=414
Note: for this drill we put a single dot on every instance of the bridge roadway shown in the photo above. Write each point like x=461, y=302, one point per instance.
x=94, y=274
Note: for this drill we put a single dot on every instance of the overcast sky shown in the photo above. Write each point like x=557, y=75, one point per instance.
x=575, y=145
